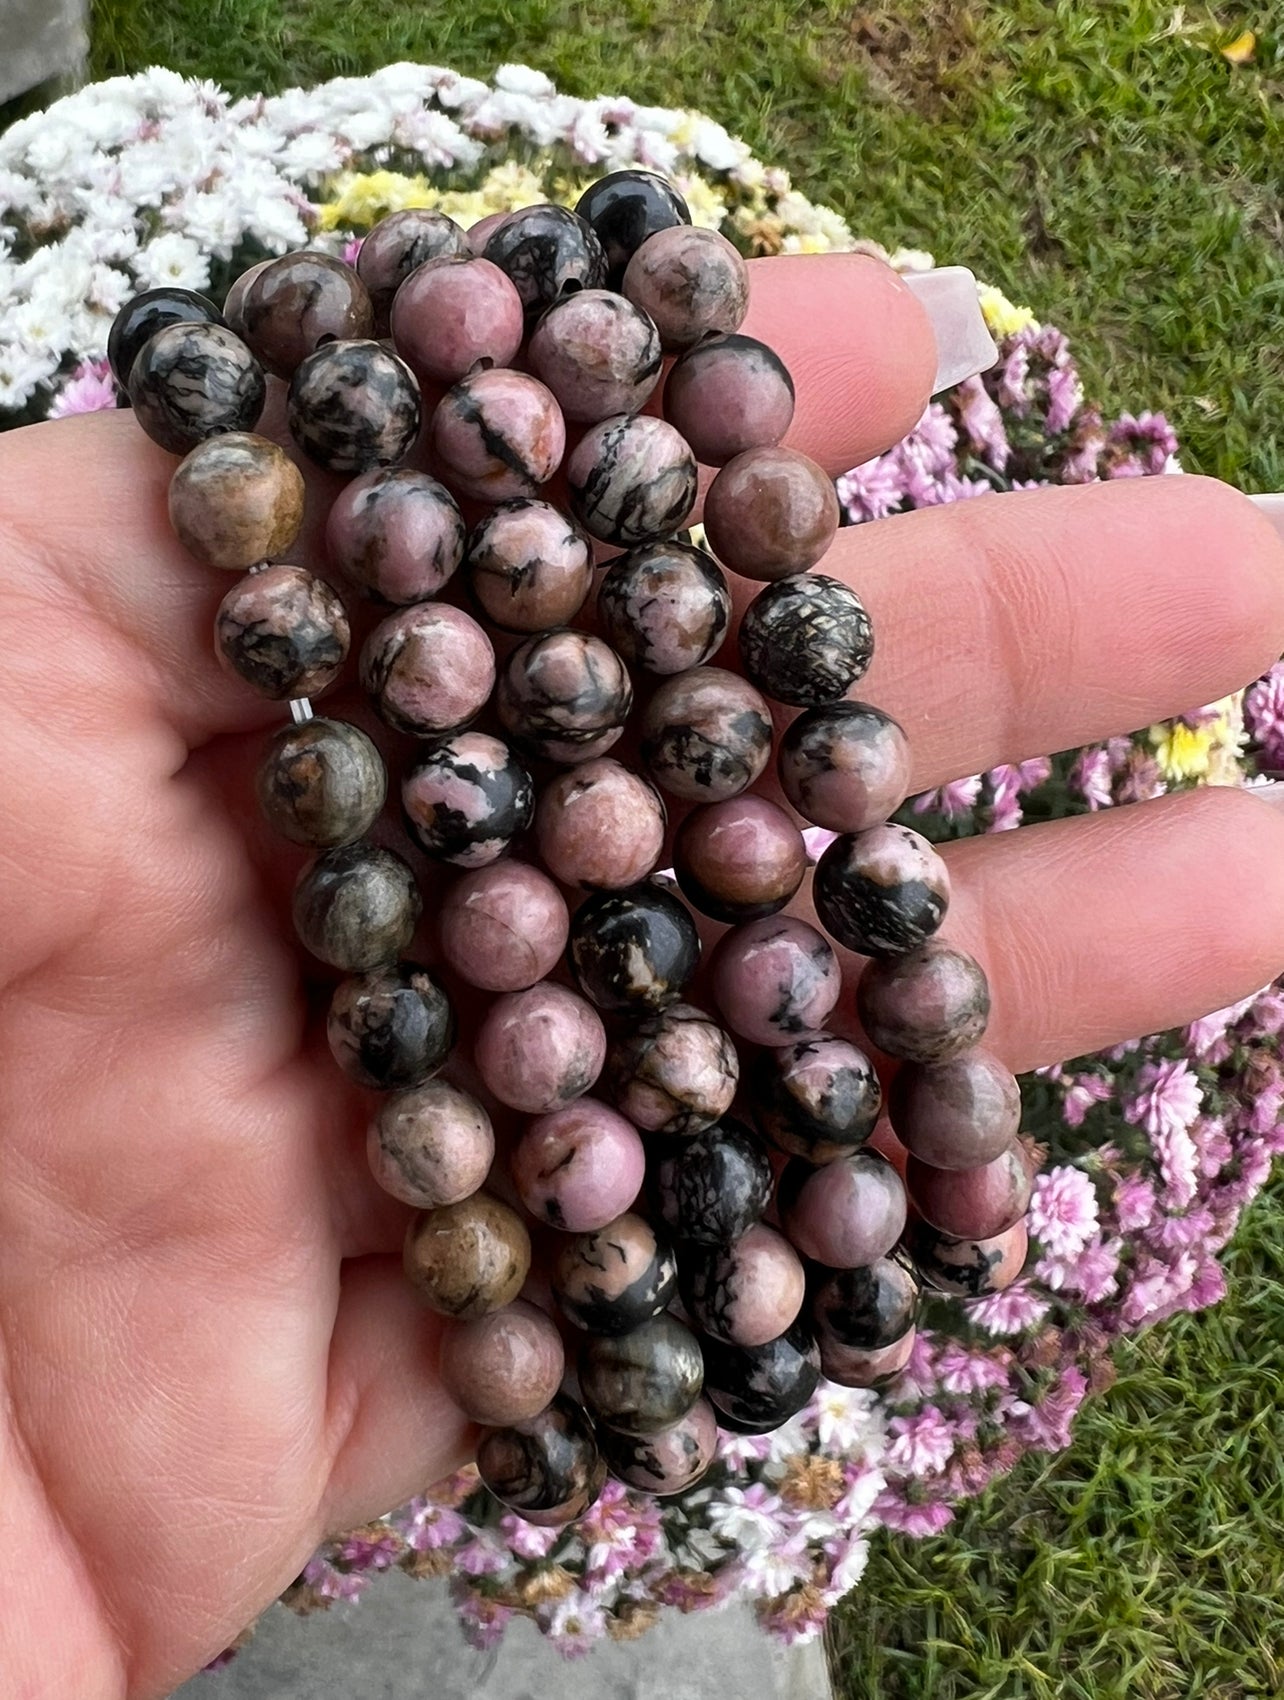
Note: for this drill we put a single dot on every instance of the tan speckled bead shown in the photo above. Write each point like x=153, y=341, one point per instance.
x=468, y=1259
x=236, y=500
x=503, y=1368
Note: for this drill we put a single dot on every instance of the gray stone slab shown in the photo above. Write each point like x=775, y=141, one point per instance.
x=401, y=1642
x=39, y=40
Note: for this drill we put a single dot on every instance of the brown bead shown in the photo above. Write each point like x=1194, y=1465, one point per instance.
x=502, y=1368
x=236, y=500
x=771, y=513
x=298, y=302
x=739, y=859
x=468, y=1259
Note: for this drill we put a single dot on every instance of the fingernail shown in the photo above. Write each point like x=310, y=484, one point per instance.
x=1273, y=507
x=964, y=345
x=1272, y=792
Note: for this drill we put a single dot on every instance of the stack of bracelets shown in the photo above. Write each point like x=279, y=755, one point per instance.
x=689, y=1310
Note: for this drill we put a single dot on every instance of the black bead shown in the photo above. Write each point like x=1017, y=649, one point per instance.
x=623, y=209
x=806, y=640
x=635, y=949
x=713, y=1188
x=140, y=319
x=391, y=1028
x=193, y=380
x=547, y=251
x=353, y=406
x=756, y=1388
x=866, y=1308
x=549, y=1465
x=881, y=892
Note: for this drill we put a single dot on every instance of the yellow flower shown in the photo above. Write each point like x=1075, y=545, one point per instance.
x=1001, y=316
x=706, y=205
x=511, y=186
x=465, y=206
x=361, y=198
x=809, y=242
x=1209, y=752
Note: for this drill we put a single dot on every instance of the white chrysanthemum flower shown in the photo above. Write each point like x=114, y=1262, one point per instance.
x=171, y=259
x=848, y=1421
x=714, y=147
x=521, y=79
x=21, y=370
x=747, y=1518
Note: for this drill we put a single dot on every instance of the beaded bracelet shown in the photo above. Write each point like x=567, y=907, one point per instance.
x=693, y=1313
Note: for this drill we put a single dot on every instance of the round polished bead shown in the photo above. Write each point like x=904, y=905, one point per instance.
x=451, y=315
x=398, y=245
x=579, y=1167
x=739, y=859
x=356, y=906
x=481, y=230
x=396, y=535
x=616, y=1278
x=706, y=735
x=675, y=1072
x=881, y=892
x=236, y=500
x=353, y=406
x=806, y=640
x=631, y=479
x=529, y=566
x=691, y=281
x=547, y=251
x=143, y=315
x=967, y=1268
x=634, y=950
x=298, y=303
x=623, y=209
x=390, y=1027
x=745, y=1293
x=430, y=1145
x=322, y=783
x=538, y=1049
x=234, y=301
x=847, y=1213
x=760, y=1387
x=564, y=695
x=845, y=766
x=857, y=1366
x=956, y=1115
x=284, y=631
x=601, y=826
x=972, y=1203
x=771, y=513
x=498, y=434
x=928, y=1006
x=712, y=1189
x=868, y=1307
x=429, y=669
x=467, y=799
x=643, y=1381
x=775, y=980
x=548, y=1469
x=193, y=381
x=668, y=1462
x=818, y=1098
x=503, y=1368
x=503, y=926
x=729, y=394
x=598, y=353
x=468, y=1259
x=665, y=606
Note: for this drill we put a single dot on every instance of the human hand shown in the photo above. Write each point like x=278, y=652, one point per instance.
x=209, y=1357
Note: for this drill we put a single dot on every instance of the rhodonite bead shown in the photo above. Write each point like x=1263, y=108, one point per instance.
x=881, y=892
x=284, y=631
x=670, y=1461
x=775, y=980
x=579, y=1167
x=956, y=1115
x=643, y=1381
x=467, y=799
x=771, y=513
x=712, y=1189
x=503, y=927
x=529, y=566
x=967, y=1268
x=691, y=281
x=623, y=209
x=847, y=1213
x=398, y=245
x=598, y=353
x=674, y=1073
x=745, y=1293
x=538, y=1049
x=503, y=1368
x=818, y=1098
x=429, y=669
x=633, y=950
x=390, y=1027
x=234, y=301
x=760, y=1387
x=468, y=1259
x=601, y=826
x=972, y=1203
x=739, y=859
x=616, y=1278
x=294, y=305
x=728, y=394
x=706, y=735
x=547, y=1469
x=564, y=695
x=451, y=314
x=236, y=500
x=806, y=640
x=353, y=406
x=430, y=1145
x=665, y=606
x=844, y=765
x=396, y=535
x=498, y=434
x=547, y=251
x=856, y=1366
x=356, y=906
x=868, y=1307
x=630, y=479
x=154, y=310
x=193, y=381
x=927, y=1006
x=481, y=230
x=322, y=783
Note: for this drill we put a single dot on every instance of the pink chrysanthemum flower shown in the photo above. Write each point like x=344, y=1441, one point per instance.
x=1081, y=1092
x=873, y=490
x=956, y=798
x=1167, y=1099
x=1012, y=1311
x=893, y=1509
x=1047, y=1424
x=90, y=389
x=922, y=1444
x=482, y=1619
x=1091, y=776
x=1063, y=1210
x=966, y=1369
